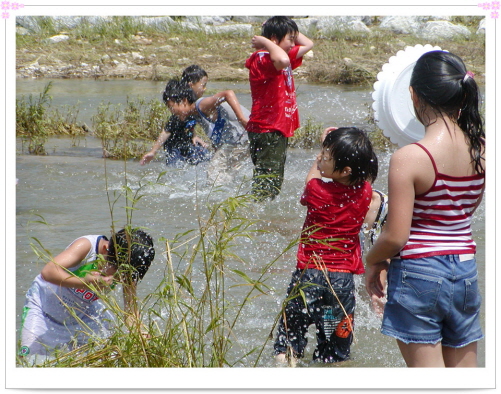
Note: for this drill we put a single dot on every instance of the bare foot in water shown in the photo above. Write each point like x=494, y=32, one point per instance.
x=282, y=358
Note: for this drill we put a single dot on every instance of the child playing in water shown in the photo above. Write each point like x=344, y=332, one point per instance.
x=178, y=137
x=196, y=78
x=435, y=185
x=62, y=308
x=274, y=115
x=222, y=118
x=322, y=290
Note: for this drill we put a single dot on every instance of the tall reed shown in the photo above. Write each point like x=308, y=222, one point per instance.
x=128, y=132
x=31, y=122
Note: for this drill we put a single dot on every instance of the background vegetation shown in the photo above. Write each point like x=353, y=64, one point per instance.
x=224, y=55
x=339, y=58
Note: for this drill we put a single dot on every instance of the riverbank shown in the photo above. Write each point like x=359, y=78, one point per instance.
x=347, y=51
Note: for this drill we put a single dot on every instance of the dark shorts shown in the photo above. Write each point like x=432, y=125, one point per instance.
x=268, y=152
x=331, y=313
x=433, y=299
x=196, y=154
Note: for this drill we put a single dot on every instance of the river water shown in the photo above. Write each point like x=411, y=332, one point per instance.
x=67, y=188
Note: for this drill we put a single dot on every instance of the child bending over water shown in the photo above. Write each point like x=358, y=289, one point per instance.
x=62, y=309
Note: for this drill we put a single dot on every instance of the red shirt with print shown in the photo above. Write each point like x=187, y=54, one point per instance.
x=273, y=94
x=336, y=211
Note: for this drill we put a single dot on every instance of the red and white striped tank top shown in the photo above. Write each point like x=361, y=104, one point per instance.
x=441, y=220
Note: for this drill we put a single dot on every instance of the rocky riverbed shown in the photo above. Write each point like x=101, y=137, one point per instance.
x=348, y=49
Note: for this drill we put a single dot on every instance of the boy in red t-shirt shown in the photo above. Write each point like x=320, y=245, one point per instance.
x=337, y=194
x=274, y=115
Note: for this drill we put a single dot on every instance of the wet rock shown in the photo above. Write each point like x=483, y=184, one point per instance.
x=307, y=25
x=163, y=23
x=440, y=18
x=208, y=20
x=28, y=22
x=442, y=30
x=56, y=39
x=347, y=61
x=191, y=26
x=250, y=19
x=330, y=24
x=237, y=29
x=481, y=27
x=137, y=56
x=165, y=48
x=22, y=31
x=402, y=24
x=142, y=40
x=34, y=23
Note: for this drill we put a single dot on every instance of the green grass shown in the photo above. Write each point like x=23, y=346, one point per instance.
x=129, y=131
x=36, y=121
x=308, y=135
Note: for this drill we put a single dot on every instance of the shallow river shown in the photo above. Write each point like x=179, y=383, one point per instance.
x=68, y=189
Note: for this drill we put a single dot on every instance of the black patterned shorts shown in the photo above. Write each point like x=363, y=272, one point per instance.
x=330, y=305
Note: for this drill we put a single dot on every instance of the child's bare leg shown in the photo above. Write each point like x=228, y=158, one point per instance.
x=461, y=357
x=282, y=358
x=422, y=354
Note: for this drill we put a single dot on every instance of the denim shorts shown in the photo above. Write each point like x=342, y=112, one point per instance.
x=433, y=299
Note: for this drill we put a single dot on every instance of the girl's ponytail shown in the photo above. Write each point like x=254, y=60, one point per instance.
x=470, y=121
x=440, y=79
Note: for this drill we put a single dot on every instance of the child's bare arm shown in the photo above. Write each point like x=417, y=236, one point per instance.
x=164, y=136
x=209, y=104
x=278, y=56
x=305, y=43
x=131, y=309
x=129, y=294
x=56, y=271
x=196, y=140
x=326, y=132
x=313, y=173
x=401, y=192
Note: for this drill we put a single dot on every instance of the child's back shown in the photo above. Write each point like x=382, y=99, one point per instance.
x=335, y=211
x=435, y=186
x=322, y=289
x=273, y=94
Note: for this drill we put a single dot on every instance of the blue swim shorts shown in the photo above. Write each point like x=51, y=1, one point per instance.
x=433, y=299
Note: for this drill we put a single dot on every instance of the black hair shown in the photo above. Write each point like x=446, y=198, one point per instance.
x=177, y=91
x=132, y=252
x=441, y=81
x=278, y=27
x=351, y=147
x=193, y=74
